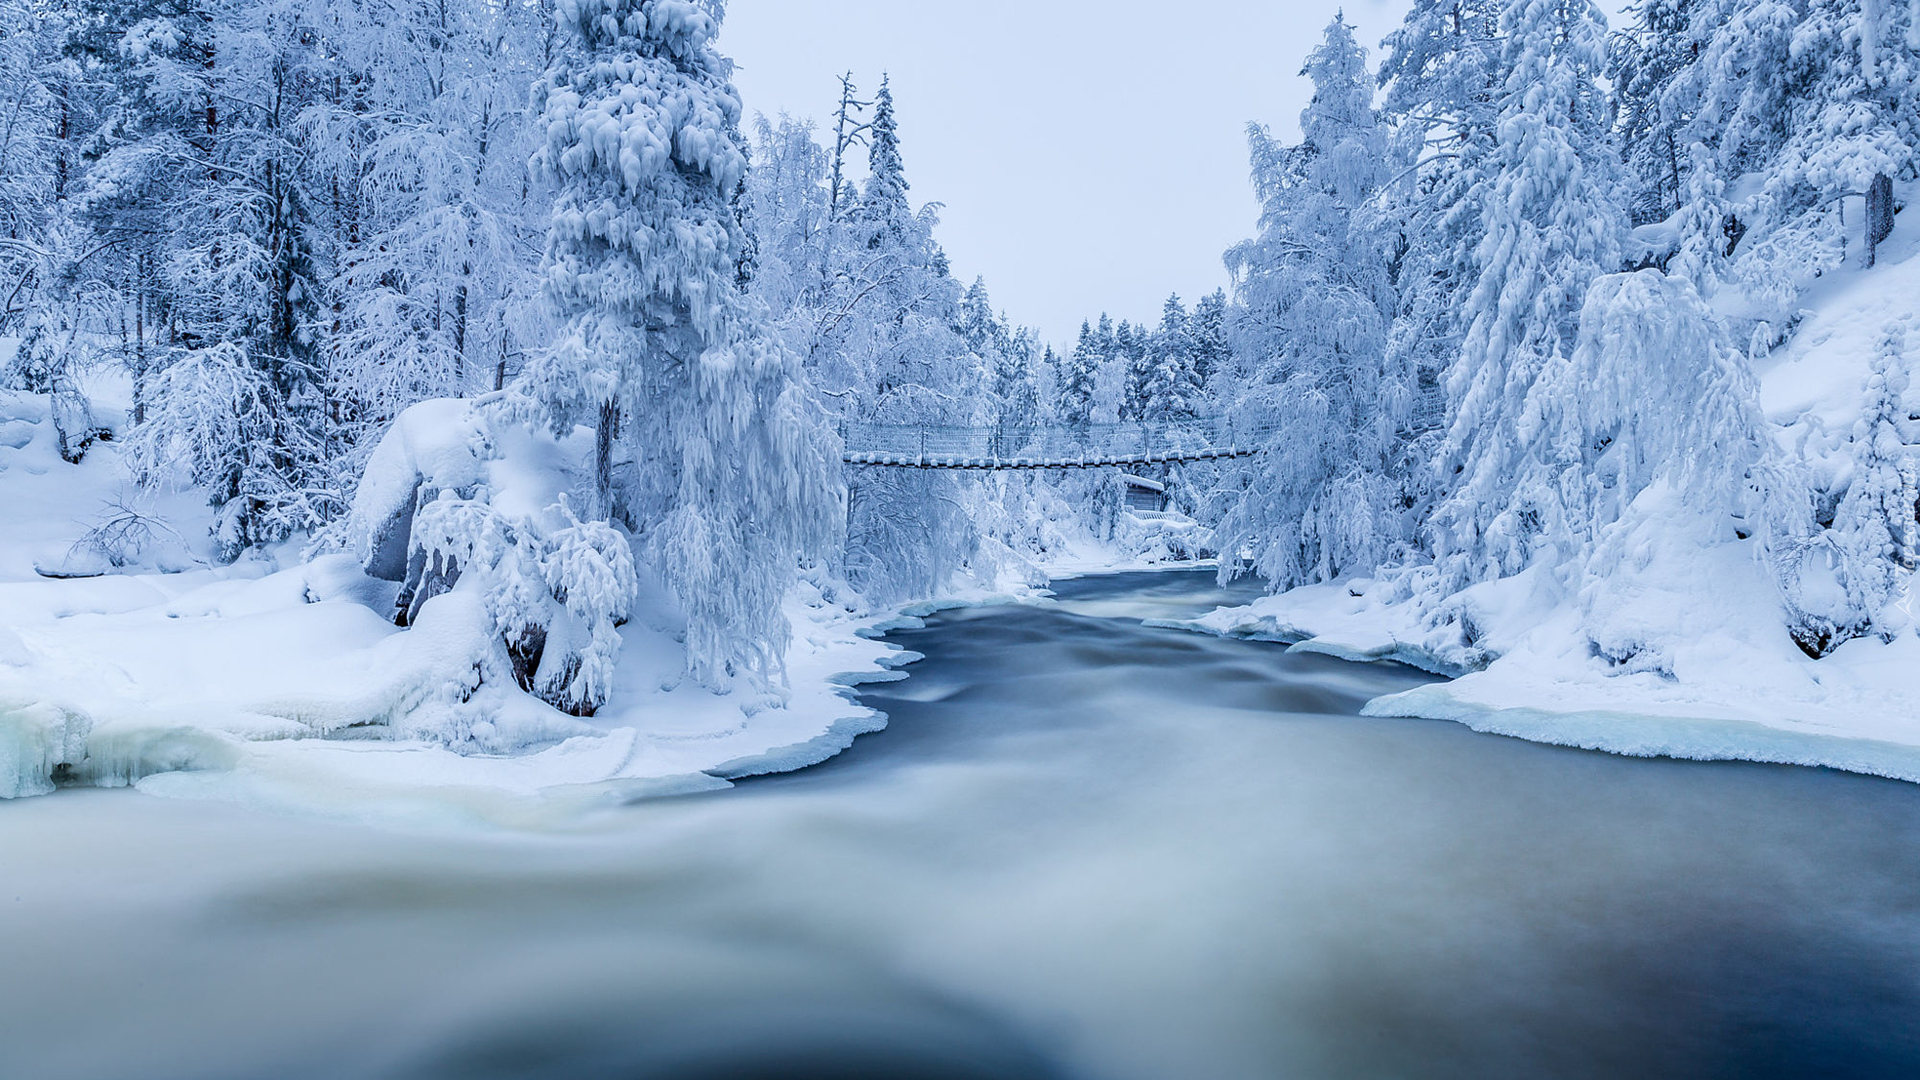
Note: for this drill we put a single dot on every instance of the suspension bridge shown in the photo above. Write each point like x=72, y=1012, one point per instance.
x=1085, y=446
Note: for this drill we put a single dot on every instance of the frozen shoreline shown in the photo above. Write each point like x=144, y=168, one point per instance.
x=1737, y=696
x=310, y=707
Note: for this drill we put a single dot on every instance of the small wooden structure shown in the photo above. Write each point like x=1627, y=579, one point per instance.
x=1145, y=494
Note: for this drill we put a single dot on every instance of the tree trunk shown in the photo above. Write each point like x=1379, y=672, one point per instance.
x=608, y=431
x=1879, y=213
x=140, y=346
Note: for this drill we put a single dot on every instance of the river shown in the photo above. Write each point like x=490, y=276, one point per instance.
x=1082, y=849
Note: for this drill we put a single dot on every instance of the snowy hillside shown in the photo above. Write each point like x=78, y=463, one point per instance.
x=1708, y=668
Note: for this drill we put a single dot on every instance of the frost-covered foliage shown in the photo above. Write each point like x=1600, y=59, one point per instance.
x=1173, y=385
x=1592, y=445
x=218, y=421
x=1315, y=308
x=1551, y=223
x=437, y=276
x=1441, y=77
x=1801, y=114
x=556, y=595
x=732, y=477
x=1874, y=527
x=334, y=191
x=891, y=339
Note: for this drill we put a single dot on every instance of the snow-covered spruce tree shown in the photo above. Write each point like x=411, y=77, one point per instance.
x=1316, y=304
x=1211, y=352
x=1646, y=58
x=1874, y=528
x=1170, y=390
x=1078, y=375
x=1130, y=354
x=884, y=199
x=1441, y=74
x=1552, y=223
x=662, y=347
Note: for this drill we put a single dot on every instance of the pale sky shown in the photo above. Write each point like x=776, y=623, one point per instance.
x=1091, y=153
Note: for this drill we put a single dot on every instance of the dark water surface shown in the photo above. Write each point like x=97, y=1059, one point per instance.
x=1082, y=849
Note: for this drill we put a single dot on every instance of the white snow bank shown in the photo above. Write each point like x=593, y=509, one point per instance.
x=292, y=687
x=288, y=690
x=86, y=519
x=1681, y=653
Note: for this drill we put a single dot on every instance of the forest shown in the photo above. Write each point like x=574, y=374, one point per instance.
x=519, y=559
x=515, y=302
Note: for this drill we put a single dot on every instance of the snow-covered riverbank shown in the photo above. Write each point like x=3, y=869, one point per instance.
x=1735, y=688
x=283, y=681
x=286, y=688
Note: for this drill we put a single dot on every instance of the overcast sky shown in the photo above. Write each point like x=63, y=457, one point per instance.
x=1091, y=154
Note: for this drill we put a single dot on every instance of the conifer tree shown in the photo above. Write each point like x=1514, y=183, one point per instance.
x=1315, y=307
x=1552, y=223
x=1874, y=525
x=1211, y=353
x=661, y=345
x=884, y=199
x=1130, y=353
x=1170, y=388
x=1646, y=60
x=1079, y=379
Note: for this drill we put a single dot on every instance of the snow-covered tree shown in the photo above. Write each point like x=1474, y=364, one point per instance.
x=884, y=199
x=1651, y=393
x=1212, y=353
x=440, y=244
x=1079, y=372
x=1171, y=386
x=1874, y=526
x=1646, y=59
x=1552, y=222
x=1130, y=356
x=663, y=350
x=1441, y=76
x=1805, y=113
x=889, y=342
x=1316, y=305
x=217, y=137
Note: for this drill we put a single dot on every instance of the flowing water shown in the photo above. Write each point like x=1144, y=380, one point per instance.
x=1082, y=849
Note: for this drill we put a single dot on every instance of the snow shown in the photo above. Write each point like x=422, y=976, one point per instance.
x=282, y=682
x=1680, y=649
x=1730, y=685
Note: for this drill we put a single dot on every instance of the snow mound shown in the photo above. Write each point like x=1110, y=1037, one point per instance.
x=287, y=683
x=288, y=690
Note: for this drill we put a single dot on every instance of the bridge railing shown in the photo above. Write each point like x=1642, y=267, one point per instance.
x=1123, y=441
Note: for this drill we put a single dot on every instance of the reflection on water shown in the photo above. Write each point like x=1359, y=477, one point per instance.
x=1082, y=849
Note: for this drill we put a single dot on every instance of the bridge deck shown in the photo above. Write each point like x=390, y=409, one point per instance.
x=1090, y=446
x=940, y=461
